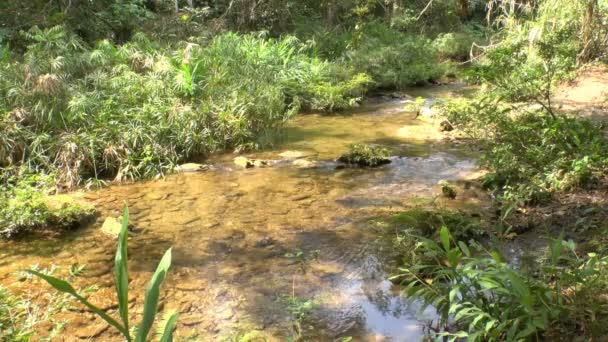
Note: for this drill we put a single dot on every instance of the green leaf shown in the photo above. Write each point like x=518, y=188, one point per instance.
x=454, y=256
x=65, y=287
x=444, y=235
x=490, y=325
x=169, y=327
x=453, y=293
x=497, y=257
x=464, y=248
x=121, y=274
x=152, y=294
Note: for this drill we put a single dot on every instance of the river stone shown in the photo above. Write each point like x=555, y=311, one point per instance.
x=244, y=162
x=192, y=167
x=191, y=286
x=190, y=320
x=305, y=164
x=260, y=163
x=111, y=226
x=293, y=154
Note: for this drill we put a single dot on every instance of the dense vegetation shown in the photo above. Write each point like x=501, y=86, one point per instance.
x=119, y=90
x=138, y=87
x=535, y=155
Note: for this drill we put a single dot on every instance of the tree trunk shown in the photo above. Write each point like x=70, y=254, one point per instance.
x=332, y=9
x=463, y=10
x=587, y=31
x=391, y=7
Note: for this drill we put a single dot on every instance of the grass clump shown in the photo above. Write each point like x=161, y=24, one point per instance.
x=26, y=207
x=365, y=155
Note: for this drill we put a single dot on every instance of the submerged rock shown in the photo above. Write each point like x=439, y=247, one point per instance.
x=293, y=154
x=247, y=163
x=305, y=164
x=192, y=167
x=111, y=226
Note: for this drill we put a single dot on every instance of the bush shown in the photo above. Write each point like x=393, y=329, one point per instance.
x=393, y=59
x=402, y=231
x=532, y=154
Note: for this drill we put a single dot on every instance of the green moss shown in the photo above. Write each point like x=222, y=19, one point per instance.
x=365, y=155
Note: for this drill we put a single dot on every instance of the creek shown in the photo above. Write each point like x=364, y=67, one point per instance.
x=246, y=242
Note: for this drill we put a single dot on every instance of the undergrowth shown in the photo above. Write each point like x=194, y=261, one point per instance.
x=532, y=155
x=481, y=297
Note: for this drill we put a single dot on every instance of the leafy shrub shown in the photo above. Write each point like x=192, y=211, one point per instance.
x=121, y=278
x=401, y=233
x=532, y=154
x=480, y=297
x=393, y=59
x=365, y=155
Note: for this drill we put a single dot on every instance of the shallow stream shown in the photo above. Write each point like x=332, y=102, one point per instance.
x=233, y=231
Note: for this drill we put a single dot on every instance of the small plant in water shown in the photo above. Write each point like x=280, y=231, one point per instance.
x=302, y=258
x=121, y=278
x=299, y=309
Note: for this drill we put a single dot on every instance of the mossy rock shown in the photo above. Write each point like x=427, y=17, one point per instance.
x=365, y=156
x=447, y=190
x=68, y=210
x=38, y=211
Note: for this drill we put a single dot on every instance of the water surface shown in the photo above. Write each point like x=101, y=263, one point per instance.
x=231, y=229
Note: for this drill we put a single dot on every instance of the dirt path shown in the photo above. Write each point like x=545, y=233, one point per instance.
x=587, y=94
